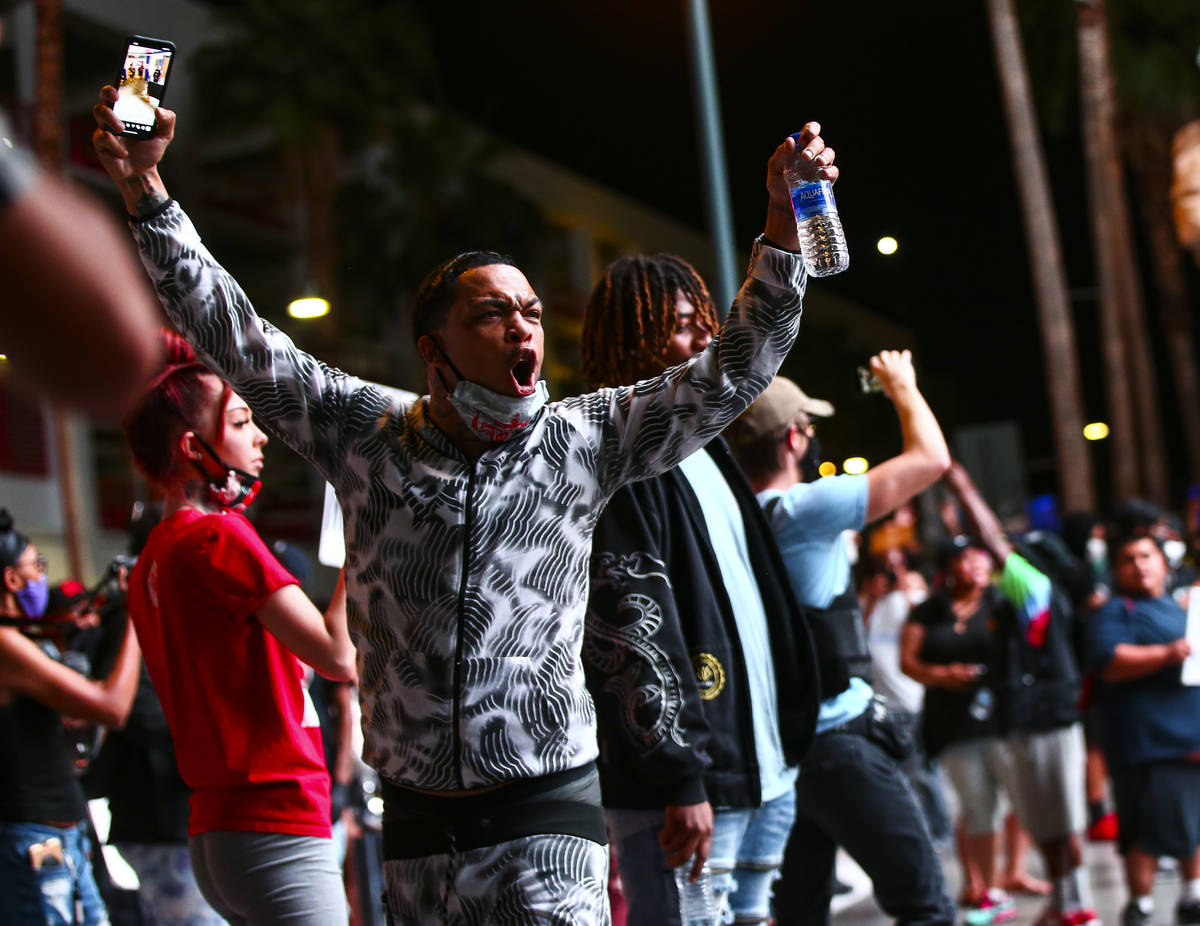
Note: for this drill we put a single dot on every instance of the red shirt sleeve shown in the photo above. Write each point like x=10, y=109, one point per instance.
x=234, y=565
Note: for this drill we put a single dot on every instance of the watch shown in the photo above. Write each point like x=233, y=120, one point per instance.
x=778, y=247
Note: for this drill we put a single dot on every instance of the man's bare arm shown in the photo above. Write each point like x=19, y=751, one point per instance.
x=925, y=456
x=74, y=272
x=979, y=513
x=1131, y=660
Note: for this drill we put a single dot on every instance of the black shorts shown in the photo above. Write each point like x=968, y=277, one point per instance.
x=1158, y=805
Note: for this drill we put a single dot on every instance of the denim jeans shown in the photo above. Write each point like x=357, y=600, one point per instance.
x=747, y=850
x=923, y=775
x=54, y=894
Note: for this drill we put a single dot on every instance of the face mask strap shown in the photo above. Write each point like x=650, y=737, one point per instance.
x=212, y=453
x=248, y=482
x=810, y=463
x=446, y=357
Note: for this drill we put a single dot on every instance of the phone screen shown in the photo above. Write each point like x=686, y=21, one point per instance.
x=143, y=79
x=868, y=382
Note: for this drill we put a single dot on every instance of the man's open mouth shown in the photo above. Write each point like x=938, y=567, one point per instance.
x=524, y=371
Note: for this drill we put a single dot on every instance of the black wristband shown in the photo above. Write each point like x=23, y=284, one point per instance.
x=778, y=247
x=153, y=213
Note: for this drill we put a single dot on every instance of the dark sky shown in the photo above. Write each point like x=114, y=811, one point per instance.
x=906, y=93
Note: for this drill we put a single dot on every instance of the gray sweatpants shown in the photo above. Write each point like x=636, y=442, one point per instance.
x=263, y=879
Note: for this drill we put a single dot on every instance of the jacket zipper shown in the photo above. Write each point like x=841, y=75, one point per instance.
x=456, y=698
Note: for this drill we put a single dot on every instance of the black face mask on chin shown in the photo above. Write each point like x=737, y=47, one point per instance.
x=810, y=463
x=234, y=490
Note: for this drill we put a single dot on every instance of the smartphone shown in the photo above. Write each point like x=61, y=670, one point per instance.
x=141, y=83
x=868, y=382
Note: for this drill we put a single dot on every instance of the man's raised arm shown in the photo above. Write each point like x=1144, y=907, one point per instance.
x=306, y=403
x=925, y=456
x=1028, y=589
x=654, y=424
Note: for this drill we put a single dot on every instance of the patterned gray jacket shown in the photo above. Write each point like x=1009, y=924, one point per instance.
x=467, y=580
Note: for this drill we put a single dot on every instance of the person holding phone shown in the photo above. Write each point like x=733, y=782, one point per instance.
x=225, y=627
x=140, y=92
x=45, y=850
x=852, y=791
x=469, y=518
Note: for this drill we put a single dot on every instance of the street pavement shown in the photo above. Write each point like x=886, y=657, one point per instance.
x=858, y=908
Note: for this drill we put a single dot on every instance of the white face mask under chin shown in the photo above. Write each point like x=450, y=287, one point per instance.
x=492, y=416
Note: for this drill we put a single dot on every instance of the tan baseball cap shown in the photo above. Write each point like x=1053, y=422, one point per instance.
x=779, y=405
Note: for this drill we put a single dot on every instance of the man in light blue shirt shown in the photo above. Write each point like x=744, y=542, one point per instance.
x=852, y=790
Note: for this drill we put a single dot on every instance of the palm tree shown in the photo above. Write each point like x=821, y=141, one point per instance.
x=422, y=195
x=1154, y=57
x=1109, y=240
x=384, y=187
x=320, y=80
x=1129, y=367
x=1151, y=163
x=1076, y=482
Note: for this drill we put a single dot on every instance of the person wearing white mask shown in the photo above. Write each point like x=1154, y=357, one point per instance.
x=469, y=515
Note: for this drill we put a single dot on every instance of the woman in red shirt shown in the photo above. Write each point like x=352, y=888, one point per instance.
x=223, y=628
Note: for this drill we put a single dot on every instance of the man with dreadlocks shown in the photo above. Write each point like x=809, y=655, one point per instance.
x=690, y=625
x=468, y=516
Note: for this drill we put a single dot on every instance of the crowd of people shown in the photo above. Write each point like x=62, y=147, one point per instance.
x=604, y=647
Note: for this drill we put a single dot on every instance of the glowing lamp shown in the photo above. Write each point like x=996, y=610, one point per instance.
x=308, y=307
x=856, y=466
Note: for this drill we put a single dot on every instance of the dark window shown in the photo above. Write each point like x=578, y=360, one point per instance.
x=22, y=434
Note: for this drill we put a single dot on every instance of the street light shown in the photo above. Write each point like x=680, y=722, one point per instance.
x=887, y=245
x=827, y=469
x=1097, y=430
x=855, y=466
x=308, y=307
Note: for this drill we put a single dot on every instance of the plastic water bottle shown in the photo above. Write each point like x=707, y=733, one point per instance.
x=697, y=904
x=822, y=241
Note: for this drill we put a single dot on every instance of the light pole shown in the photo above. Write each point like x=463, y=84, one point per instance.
x=713, y=178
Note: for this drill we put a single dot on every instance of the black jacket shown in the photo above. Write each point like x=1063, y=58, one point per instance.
x=136, y=771
x=663, y=660
x=1037, y=689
